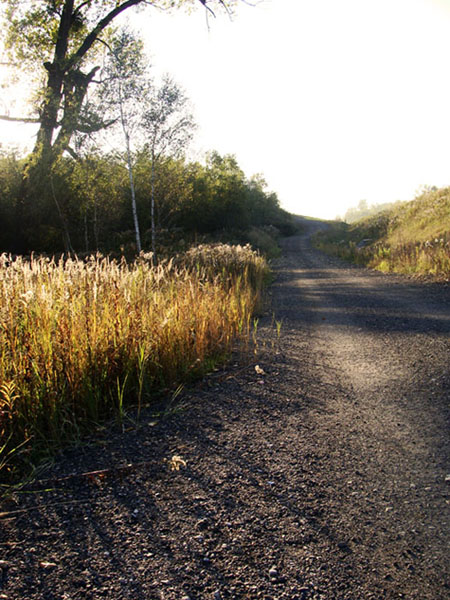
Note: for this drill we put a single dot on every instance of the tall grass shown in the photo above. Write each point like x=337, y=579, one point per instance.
x=412, y=238
x=80, y=339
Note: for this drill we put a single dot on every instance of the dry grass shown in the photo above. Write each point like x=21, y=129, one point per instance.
x=412, y=238
x=79, y=339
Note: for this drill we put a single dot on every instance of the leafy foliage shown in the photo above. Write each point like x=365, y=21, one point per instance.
x=191, y=200
x=59, y=40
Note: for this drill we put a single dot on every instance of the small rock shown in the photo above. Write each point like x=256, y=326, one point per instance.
x=273, y=572
x=217, y=595
x=202, y=523
x=344, y=547
x=47, y=565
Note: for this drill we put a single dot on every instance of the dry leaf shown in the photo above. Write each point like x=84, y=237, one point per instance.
x=176, y=462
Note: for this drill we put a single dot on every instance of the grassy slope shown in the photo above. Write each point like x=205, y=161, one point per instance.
x=412, y=238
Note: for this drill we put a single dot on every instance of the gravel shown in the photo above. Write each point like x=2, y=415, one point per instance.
x=321, y=474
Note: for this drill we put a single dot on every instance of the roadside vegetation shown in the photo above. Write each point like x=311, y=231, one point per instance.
x=411, y=238
x=82, y=340
x=90, y=328
x=127, y=269
x=89, y=210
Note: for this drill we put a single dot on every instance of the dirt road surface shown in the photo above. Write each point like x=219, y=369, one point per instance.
x=318, y=470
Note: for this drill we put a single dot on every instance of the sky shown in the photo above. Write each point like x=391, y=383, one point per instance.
x=332, y=101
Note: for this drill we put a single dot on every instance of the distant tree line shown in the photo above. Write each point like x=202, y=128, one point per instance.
x=88, y=204
x=364, y=209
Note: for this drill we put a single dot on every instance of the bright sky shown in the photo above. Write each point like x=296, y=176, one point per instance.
x=333, y=101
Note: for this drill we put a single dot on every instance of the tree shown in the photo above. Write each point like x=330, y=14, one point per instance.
x=168, y=125
x=125, y=89
x=61, y=37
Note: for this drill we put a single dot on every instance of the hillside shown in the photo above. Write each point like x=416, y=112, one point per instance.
x=412, y=238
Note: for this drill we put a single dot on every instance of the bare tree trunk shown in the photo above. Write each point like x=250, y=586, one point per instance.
x=130, y=174
x=95, y=225
x=152, y=209
x=86, y=234
x=133, y=198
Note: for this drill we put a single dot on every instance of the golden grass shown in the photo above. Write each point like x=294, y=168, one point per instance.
x=78, y=339
x=412, y=238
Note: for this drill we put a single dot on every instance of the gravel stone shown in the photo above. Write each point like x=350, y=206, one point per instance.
x=353, y=418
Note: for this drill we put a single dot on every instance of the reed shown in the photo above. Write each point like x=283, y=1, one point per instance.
x=81, y=340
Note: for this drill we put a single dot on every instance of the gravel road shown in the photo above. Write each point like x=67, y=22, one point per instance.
x=318, y=469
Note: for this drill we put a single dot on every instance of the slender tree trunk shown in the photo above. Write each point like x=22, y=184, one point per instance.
x=130, y=174
x=95, y=225
x=133, y=197
x=86, y=234
x=152, y=209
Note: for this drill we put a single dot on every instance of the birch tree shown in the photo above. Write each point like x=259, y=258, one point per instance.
x=126, y=87
x=59, y=40
x=168, y=125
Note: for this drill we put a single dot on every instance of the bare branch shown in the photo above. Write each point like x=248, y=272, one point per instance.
x=204, y=2
x=82, y=5
x=104, y=43
x=72, y=153
x=92, y=127
x=20, y=119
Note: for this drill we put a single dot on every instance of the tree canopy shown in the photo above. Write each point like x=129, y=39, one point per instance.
x=63, y=42
x=61, y=38
x=192, y=200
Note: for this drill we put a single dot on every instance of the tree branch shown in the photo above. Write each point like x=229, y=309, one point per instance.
x=20, y=119
x=78, y=8
x=101, y=25
x=91, y=126
x=204, y=2
x=72, y=153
